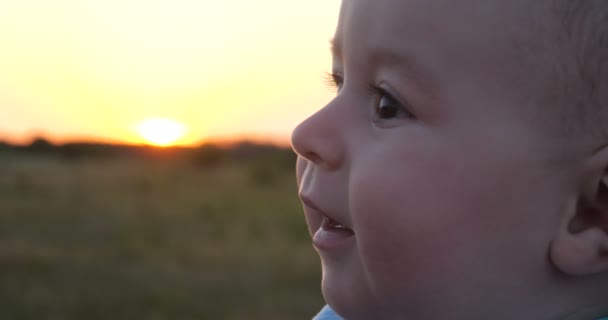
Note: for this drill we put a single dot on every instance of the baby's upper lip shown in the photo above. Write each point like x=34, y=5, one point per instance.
x=312, y=205
x=309, y=203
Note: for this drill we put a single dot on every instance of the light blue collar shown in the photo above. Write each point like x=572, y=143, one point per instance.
x=328, y=314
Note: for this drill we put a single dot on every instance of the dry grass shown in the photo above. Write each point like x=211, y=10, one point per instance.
x=141, y=239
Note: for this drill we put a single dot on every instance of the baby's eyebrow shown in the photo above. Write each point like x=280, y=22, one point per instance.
x=411, y=69
x=408, y=66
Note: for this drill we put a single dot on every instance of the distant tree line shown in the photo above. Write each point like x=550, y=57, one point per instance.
x=204, y=155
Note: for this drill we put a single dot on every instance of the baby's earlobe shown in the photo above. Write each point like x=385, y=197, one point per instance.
x=583, y=253
x=580, y=246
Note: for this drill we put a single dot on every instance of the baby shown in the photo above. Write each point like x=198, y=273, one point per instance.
x=461, y=171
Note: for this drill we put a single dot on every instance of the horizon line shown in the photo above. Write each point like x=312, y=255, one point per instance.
x=227, y=140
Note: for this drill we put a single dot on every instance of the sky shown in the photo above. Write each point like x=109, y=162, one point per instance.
x=94, y=70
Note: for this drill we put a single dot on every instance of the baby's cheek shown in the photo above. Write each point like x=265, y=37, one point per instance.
x=396, y=236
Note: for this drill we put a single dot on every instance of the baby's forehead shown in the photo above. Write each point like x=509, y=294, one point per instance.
x=495, y=32
x=466, y=15
x=517, y=23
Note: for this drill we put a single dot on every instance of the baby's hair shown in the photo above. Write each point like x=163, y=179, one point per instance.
x=585, y=23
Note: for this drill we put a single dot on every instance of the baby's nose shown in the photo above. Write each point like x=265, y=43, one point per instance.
x=316, y=139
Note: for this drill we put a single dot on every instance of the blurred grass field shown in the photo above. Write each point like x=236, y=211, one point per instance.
x=121, y=238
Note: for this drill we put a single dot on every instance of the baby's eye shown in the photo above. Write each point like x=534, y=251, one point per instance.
x=334, y=80
x=388, y=107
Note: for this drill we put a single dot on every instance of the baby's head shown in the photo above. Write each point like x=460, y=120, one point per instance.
x=461, y=170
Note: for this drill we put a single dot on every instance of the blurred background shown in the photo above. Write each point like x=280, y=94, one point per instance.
x=145, y=168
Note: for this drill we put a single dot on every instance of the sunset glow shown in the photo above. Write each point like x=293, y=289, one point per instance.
x=161, y=132
x=92, y=69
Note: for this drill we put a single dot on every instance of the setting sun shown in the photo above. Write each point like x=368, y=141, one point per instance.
x=217, y=67
x=161, y=132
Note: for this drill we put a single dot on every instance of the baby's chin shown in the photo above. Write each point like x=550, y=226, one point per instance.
x=346, y=289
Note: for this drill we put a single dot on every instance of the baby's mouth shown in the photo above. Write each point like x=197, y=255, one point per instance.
x=332, y=235
x=330, y=224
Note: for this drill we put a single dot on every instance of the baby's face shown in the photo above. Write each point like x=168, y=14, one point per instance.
x=429, y=184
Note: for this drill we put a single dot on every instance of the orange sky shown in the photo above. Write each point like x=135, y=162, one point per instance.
x=72, y=69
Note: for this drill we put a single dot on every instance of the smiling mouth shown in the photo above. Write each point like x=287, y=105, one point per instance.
x=332, y=235
x=330, y=224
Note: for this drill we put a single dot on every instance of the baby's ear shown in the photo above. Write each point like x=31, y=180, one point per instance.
x=581, y=244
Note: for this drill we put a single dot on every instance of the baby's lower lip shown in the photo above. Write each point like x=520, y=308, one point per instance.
x=332, y=236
